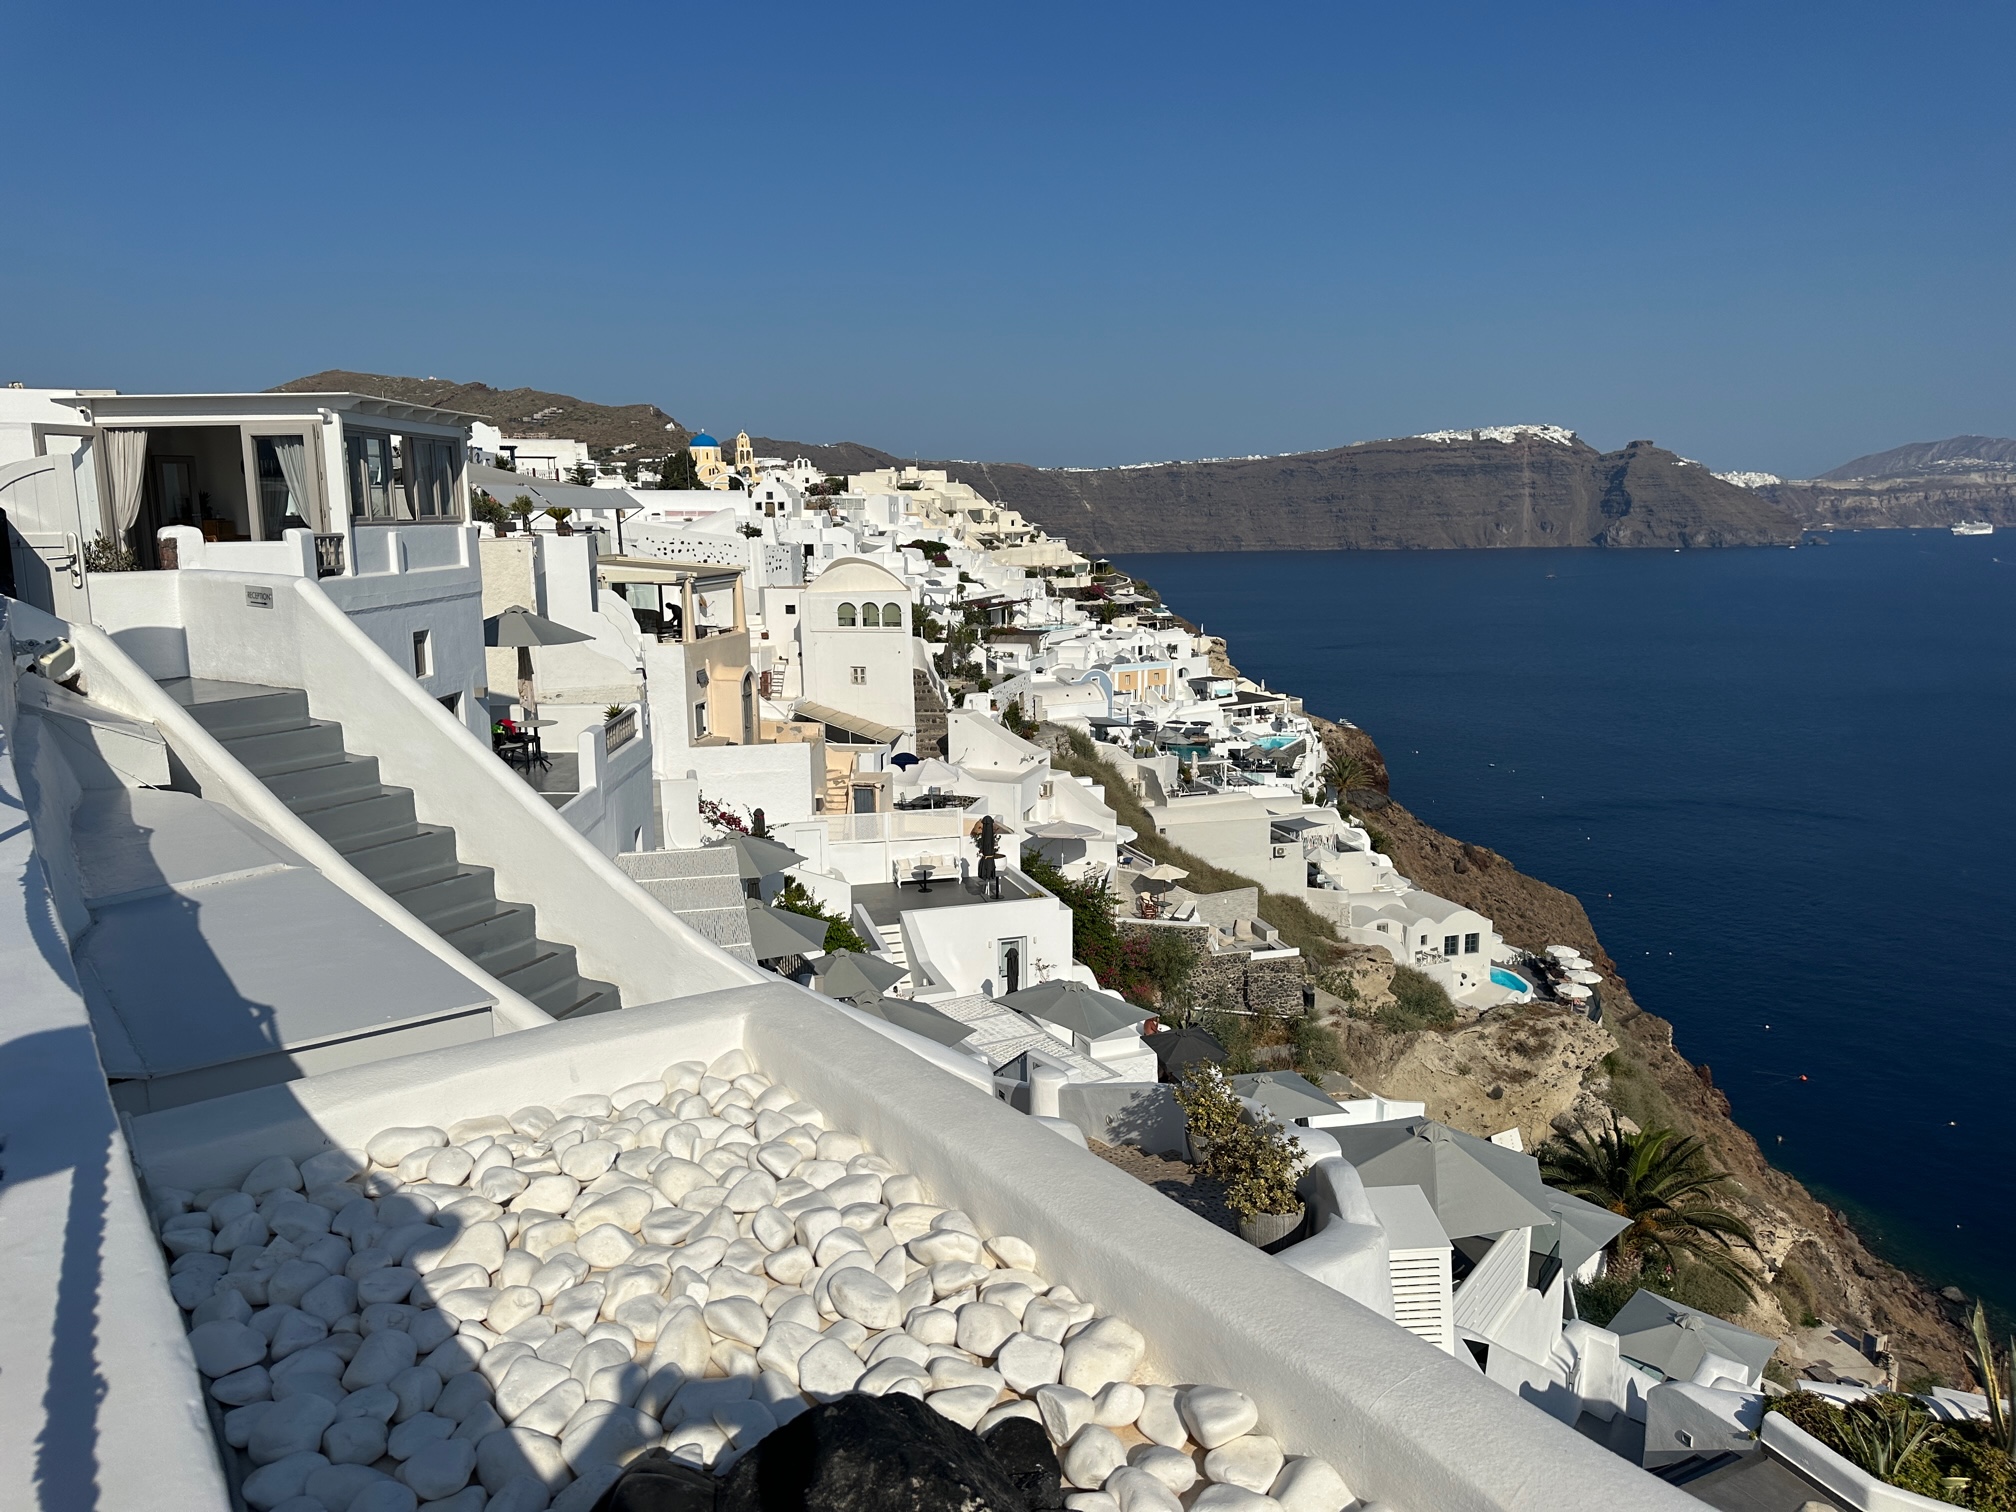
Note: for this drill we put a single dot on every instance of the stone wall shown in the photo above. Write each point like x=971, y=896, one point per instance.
x=1233, y=979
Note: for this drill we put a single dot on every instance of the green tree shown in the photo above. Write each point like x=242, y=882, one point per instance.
x=1661, y=1181
x=581, y=475
x=678, y=471
x=522, y=509
x=1342, y=772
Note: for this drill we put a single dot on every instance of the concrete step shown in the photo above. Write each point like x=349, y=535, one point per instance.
x=596, y=997
x=706, y=861
x=465, y=898
x=504, y=941
x=322, y=786
x=228, y=710
x=891, y=938
x=550, y=978
x=316, y=744
x=426, y=855
x=383, y=815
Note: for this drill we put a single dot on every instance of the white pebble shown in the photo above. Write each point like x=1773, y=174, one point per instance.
x=1310, y=1485
x=390, y=1146
x=1105, y=1351
x=1252, y=1460
x=1138, y=1491
x=1092, y=1454
x=1216, y=1415
x=964, y=1405
x=1118, y=1405
x=224, y=1346
x=1223, y=1498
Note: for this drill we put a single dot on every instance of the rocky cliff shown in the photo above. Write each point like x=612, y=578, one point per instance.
x=1928, y=484
x=1543, y=1069
x=1514, y=486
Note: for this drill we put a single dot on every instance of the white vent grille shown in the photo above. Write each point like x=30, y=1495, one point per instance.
x=1421, y=1296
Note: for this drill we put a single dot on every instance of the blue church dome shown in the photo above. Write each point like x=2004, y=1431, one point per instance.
x=703, y=439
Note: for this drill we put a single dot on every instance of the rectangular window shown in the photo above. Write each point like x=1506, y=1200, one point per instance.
x=423, y=653
x=700, y=721
x=373, y=485
x=1449, y=944
x=858, y=676
x=1469, y=944
x=433, y=478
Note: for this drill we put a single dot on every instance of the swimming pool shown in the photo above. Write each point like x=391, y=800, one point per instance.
x=1276, y=742
x=1511, y=981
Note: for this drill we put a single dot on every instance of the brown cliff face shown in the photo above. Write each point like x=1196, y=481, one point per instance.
x=1393, y=495
x=1927, y=484
x=1524, y=1066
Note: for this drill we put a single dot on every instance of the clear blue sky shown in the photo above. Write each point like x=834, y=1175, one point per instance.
x=1770, y=236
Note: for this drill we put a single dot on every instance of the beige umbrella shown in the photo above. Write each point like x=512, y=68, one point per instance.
x=520, y=627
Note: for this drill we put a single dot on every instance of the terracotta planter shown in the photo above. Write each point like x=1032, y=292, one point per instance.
x=1264, y=1230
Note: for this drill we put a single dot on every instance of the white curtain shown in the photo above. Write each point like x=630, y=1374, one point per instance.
x=293, y=458
x=126, y=465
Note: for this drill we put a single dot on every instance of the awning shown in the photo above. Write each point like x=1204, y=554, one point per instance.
x=853, y=724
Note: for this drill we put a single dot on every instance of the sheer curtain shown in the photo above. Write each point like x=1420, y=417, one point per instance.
x=293, y=458
x=126, y=465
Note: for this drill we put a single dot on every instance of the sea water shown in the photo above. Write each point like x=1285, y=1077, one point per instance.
x=1783, y=782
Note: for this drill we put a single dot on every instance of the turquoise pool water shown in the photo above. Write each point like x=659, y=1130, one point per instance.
x=1511, y=981
x=1276, y=742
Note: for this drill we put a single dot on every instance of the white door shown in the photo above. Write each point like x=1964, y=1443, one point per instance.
x=45, y=535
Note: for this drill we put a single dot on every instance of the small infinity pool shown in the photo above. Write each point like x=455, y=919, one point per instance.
x=1511, y=981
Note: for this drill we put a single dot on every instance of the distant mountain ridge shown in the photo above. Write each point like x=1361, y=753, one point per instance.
x=1925, y=484
x=1509, y=485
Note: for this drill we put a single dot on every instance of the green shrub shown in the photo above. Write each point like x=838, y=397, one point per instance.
x=1419, y=1002
x=1887, y=1430
x=1235, y=1031
x=1259, y=1165
x=1210, y=1111
x=1315, y=1045
x=840, y=935
x=1598, y=1301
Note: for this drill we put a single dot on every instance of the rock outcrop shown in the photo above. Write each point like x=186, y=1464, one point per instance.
x=1928, y=484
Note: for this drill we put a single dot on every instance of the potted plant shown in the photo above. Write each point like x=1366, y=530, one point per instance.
x=1260, y=1165
x=1211, y=1112
x=1257, y=1162
x=487, y=511
x=558, y=514
x=522, y=510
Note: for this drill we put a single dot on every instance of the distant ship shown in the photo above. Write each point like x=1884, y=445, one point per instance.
x=1973, y=527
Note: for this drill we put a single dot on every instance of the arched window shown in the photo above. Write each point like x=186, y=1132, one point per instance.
x=871, y=617
x=847, y=616
x=892, y=616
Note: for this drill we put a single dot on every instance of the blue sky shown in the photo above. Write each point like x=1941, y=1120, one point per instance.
x=1770, y=236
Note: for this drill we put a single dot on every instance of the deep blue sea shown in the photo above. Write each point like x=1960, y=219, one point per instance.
x=1782, y=782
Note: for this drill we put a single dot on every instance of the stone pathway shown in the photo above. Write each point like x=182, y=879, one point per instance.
x=1179, y=1181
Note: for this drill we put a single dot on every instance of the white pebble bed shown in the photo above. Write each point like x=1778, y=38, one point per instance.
x=495, y=1317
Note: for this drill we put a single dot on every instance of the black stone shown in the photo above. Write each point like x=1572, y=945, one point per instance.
x=1022, y=1449
x=871, y=1454
x=656, y=1482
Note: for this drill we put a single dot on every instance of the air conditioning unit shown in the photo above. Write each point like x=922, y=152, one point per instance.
x=1280, y=853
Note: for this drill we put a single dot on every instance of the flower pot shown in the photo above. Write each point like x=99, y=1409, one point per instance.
x=1200, y=1149
x=1267, y=1229
x=500, y=528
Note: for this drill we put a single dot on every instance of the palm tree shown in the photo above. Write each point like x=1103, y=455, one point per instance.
x=1342, y=771
x=1658, y=1179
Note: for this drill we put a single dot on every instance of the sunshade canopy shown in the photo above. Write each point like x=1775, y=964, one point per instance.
x=851, y=973
x=873, y=731
x=1288, y=1095
x=1466, y=1188
x=518, y=626
x=1671, y=1337
x=1162, y=871
x=755, y=857
x=1062, y=829
x=918, y=1018
x=775, y=932
x=1074, y=1006
x=1178, y=1049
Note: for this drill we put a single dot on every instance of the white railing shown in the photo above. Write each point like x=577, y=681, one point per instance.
x=897, y=824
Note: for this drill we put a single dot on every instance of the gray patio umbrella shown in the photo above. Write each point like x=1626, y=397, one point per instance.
x=520, y=627
x=851, y=973
x=756, y=857
x=1075, y=1006
x=1179, y=1049
x=1288, y=1095
x=918, y=1018
x=775, y=932
x=1672, y=1337
x=1471, y=1195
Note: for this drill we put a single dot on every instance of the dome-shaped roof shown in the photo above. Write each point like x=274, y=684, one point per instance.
x=703, y=439
x=854, y=575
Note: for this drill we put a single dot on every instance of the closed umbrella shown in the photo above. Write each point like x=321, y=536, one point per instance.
x=520, y=627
